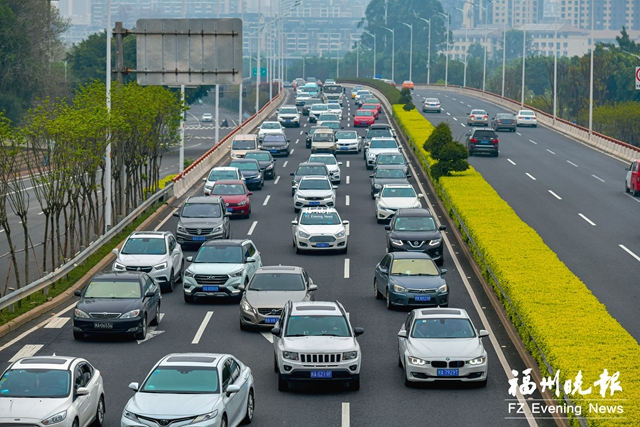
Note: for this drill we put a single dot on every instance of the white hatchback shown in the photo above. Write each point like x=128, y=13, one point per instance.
x=319, y=229
x=393, y=197
x=526, y=118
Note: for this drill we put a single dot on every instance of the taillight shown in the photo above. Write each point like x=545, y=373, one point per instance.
x=437, y=105
x=486, y=117
x=473, y=117
x=495, y=140
x=520, y=117
x=473, y=140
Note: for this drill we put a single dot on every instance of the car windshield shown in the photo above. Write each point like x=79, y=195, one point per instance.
x=334, y=107
x=414, y=267
x=484, y=134
x=220, y=254
x=35, y=383
x=415, y=224
x=327, y=160
x=390, y=173
x=258, y=156
x=377, y=133
x=504, y=116
x=364, y=113
x=314, y=184
x=182, y=379
x=228, y=189
x=398, y=192
x=320, y=218
x=371, y=101
x=332, y=89
x=442, y=328
x=331, y=125
x=113, y=289
x=245, y=166
x=384, y=143
x=201, y=210
x=323, y=137
x=315, y=129
x=363, y=93
x=325, y=117
x=315, y=326
x=390, y=159
x=319, y=107
x=346, y=135
x=217, y=175
x=243, y=144
x=479, y=112
x=311, y=170
x=270, y=125
x=274, y=138
x=369, y=107
x=356, y=89
x=144, y=246
x=276, y=282
x=288, y=111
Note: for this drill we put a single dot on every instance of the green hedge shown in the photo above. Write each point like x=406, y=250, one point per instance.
x=548, y=303
x=392, y=94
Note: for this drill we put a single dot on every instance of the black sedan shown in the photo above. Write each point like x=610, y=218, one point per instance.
x=276, y=144
x=387, y=174
x=266, y=161
x=117, y=303
x=504, y=121
x=251, y=171
x=416, y=230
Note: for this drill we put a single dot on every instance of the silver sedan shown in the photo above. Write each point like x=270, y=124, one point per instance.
x=478, y=117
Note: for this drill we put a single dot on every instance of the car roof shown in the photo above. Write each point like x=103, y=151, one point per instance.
x=431, y=99
x=192, y=359
x=315, y=308
x=230, y=182
x=399, y=185
x=383, y=138
x=257, y=151
x=315, y=177
x=321, y=155
x=61, y=363
x=203, y=199
x=225, y=168
x=425, y=313
x=270, y=121
x=312, y=164
x=118, y=275
x=286, y=269
x=243, y=160
x=289, y=106
x=420, y=212
x=150, y=234
x=409, y=255
x=224, y=242
x=399, y=167
x=478, y=109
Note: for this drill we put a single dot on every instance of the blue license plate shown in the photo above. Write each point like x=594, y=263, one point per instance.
x=321, y=374
x=422, y=298
x=447, y=372
x=229, y=209
x=273, y=151
x=210, y=288
x=344, y=148
x=288, y=121
x=270, y=320
x=314, y=203
x=527, y=118
x=198, y=238
x=484, y=142
x=322, y=245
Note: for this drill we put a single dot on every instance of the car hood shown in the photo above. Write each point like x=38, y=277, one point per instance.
x=333, y=168
x=264, y=163
x=288, y=116
x=250, y=174
x=269, y=131
x=383, y=181
x=466, y=348
x=273, y=299
x=140, y=260
x=200, y=222
x=161, y=405
x=418, y=282
x=214, y=267
x=235, y=198
x=109, y=305
x=315, y=193
x=398, y=202
x=382, y=150
x=415, y=235
x=347, y=141
x=325, y=230
x=30, y=409
x=320, y=344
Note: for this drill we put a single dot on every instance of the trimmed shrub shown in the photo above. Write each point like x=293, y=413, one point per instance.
x=441, y=135
x=452, y=157
x=405, y=96
x=409, y=106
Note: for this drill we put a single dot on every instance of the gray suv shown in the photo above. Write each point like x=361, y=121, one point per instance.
x=307, y=169
x=202, y=219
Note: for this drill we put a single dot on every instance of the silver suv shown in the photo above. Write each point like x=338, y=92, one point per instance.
x=201, y=219
x=314, y=340
x=156, y=253
x=288, y=115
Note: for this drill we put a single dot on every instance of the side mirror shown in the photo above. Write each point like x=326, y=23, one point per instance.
x=402, y=334
x=387, y=227
x=233, y=388
x=275, y=331
x=482, y=333
x=313, y=287
x=358, y=331
x=134, y=386
x=176, y=214
x=420, y=195
x=78, y=293
x=408, y=176
x=371, y=176
x=443, y=271
x=149, y=294
x=250, y=193
x=288, y=140
x=339, y=163
x=115, y=251
x=383, y=271
x=442, y=227
x=345, y=222
x=294, y=222
x=190, y=258
x=377, y=196
x=204, y=179
x=292, y=174
x=82, y=391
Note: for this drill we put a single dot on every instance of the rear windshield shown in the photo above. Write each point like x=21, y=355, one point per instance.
x=504, y=116
x=364, y=113
x=322, y=137
x=377, y=133
x=484, y=134
x=346, y=135
x=319, y=107
x=384, y=143
x=311, y=170
x=243, y=144
x=288, y=111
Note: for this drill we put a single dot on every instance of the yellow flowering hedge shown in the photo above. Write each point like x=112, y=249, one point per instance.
x=551, y=308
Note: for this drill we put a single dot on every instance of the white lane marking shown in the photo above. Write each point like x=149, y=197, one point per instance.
x=284, y=165
x=292, y=150
x=41, y=213
x=555, y=195
x=253, y=227
x=550, y=151
x=297, y=140
x=277, y=179
x=533, y=142
x=203, y=326
x=56, y=322
x=587, y=219
x=511, y=161
x=26, y=351
x=2, y=231
x=346, y=415
x=38, y=326
x=301, y=132
x=455, y=118
x=599, y=179
x=448, y=114
x=152, y=331
x=518, y=133
x=305, y=125
x=632, y=197
x=348, y=163
x=268, y=336
x=571, y=163
x=627, y=250
x=348, y=179
x=266, y=200
x=463, y=125
x=468, y=105
x=165, y=219
x=454, y=99
x=461, y=102
x=530, y=176
x=346, y=268
x=346, y=200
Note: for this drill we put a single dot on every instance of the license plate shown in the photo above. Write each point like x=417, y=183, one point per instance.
x=288, y=121
x=322, y=245
x=198, y=238
x=484, y=142
x=422, y=298
x=210, y=288
x=527, y=118
x=344, y=148
x=270, y=320
x=229, y=209
x=273, y=151
x=103, y=325
x=321, y=374
x=314, y=203
x=447, y=372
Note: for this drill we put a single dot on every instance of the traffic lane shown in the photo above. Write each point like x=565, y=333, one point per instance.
x=569, y=205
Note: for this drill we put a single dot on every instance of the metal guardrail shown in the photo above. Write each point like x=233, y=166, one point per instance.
x=42, y=283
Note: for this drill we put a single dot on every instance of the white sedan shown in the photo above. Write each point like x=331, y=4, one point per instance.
x=526, y=118
x=393, y=197
x=51, y=390
x=329, y=160
x=269, y=128
x=334, y=108
x=441, y=344
x=314, y=191
x=348, y=141
x=319, y=229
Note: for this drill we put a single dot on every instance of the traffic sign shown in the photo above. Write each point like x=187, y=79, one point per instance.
x=637, y=78
x=263, y=72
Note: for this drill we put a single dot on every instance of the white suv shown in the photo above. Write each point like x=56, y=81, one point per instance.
x=288, y=115
x=393, y=197
x=313, y=340
x=314, y=191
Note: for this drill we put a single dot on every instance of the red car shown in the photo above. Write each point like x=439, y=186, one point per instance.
x=371, y=107
x=363, y=118
x=235, y=195
x=374, y=101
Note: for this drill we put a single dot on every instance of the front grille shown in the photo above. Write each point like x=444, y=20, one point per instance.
x=314, y=198
x=320, y=358
x=443, y=364
x=105, y=315
x=415, y=243
x=421, y=291
x=270, y=311
x=321, y=239
x=204, y=279
x=198, y=231
x=456, y=364
x=164, y=422
x=143, y=269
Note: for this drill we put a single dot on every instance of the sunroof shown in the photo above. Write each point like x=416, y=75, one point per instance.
x=44, y=361
x=440, y=311
x=191, y=359
x=315, y=307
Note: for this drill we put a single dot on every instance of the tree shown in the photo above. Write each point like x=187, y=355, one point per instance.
x=626, y=43
x=476, y=50
x=450, y=155
x=438, y=138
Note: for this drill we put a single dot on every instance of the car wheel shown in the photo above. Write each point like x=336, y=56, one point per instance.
x=354, y=385
x=181, y=274
x=243, y=326
x=156, y=317
x=376, y=290
x=143, y=334
x=635, y=192
x=75, y=423
x=407, y=383
x=99, y=414
x=275, y=364
x=282, y=384
x=223, y=422
x=188, y=298
x=298, y=250
x=344, y=251
x=78, y=335
x=400, y=365
x=248, y=417
x=496, y=154
x=470, y=153
x=535, y=126
x=388, y=301
x=483, y=383
x=626, y=189
x=172, y=282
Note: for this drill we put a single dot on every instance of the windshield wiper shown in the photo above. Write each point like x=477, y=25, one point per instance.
x=297, y=335
x=332, y=335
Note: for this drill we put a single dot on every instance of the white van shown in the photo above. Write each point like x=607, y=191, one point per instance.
x=241, y=144
x=323, y=140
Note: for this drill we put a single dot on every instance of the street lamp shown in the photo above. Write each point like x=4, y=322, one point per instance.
x=428, y=21
x=555, y=67
x=446, y=61
x=357, y=58
x=486, y=30
x=524, y=51
x=374, y=52
x=258, y=69
x=466, y=51
x=410, y=50
x=504, y=41
x=593, y=47
x=393, y=52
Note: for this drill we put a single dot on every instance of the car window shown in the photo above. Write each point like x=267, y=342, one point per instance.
x=327, y=160
x=258, y=156
x=314, y=184
x=383, y=143
x=364, y=113
x=113, y=289
x=432, y=100
x=385, y=262
x=228, y=189
x=442, y=328
x=288, y=111
x=346, y=135
x=319, y=218
x=276, y=282
x=235, y=370
x=182, y=379
x=243, y=144
x=376, y=133
x=478, y=112
x=319, y=107
x=226, y=375
x=415, y=224
x=398, y=192
x=218, y=175
x=504, y=116
x=35, y=383
x=390, y=173
x=201, y=210
x=414, y=267
x=148, y=284
x=408, y=321
x=484, y=134
x=270, y=125
x=311, y=170
x=144, y=246
x=220, y=253
x=323, y=137
x=390, y=159
x=317, y=326
x=245, y=166
x=172, y=243
x=78, y=378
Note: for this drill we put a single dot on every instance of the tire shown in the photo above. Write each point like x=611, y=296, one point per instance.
x=99, y=414
x=388, y=301
x=243, y=327
x=156, y=318
x=298, y=250
x=470, y=153
x=635, y=192
x=407, y=383
x=140, y=336
x=400, y=365
x=181, y=274
x=275, y=365
x=626, y=189
x=344, y=251
x=188, y=298
x=248, y=416
x=482, y=383
x=377, y=293
x=354, y=385
x=223, y=422
x=172, y=283
x=78, y=336
x=76, y=423
x=282, y=384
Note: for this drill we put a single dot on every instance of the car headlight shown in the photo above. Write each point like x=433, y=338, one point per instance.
x=161, y=266
x=270, y=167
x=377, y=186
x=398, y=288
x=188, y=273
x=340, y=234
x=205, y=417
x=55, y=419
x=396, y=242
x=303, y=234
x=477, y=361
x=291, y=355
x=181, y=227
x=370, y=155
x=244, y=304
x=242, y=203
x=218, y=228
x=349, y=355
x=118, y=266
x=81, y=314
x=435, y=242
x=443, y=288
x=130, y=315
x=236, y=273
x=417, y=362
x=130, y=415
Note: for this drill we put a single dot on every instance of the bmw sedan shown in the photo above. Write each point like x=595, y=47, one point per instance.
x=441, y=344
x=195, y=389
x=410, y=279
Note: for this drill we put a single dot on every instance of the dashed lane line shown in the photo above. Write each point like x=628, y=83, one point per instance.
x=253, y=227
x=346, y=200
x=598, y=178
x=571, y=163
x=57, y=323
x=555, y=195
x=533, y=142
x=550, y=151
x=202, y=327
x=346, y=415
x=348, y=179
x=276, y=180
x=511, y=161
x=284, y=165
x=266, y=200
x=627, y=250
x=587, y=219
x=26, y=351
x=346, y=268
x=530, y=176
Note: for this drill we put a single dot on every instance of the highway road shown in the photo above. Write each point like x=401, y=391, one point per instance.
x=383, y=399
x=571, y=194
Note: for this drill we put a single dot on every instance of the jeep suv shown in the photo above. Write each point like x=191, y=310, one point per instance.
x=314, y=340
x=482, y=141
x=202, y=218
x=415, y=230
